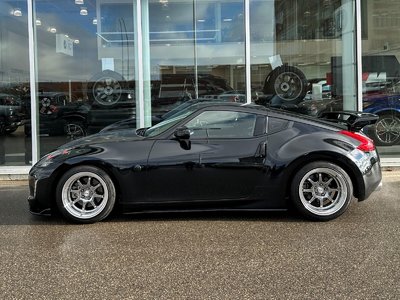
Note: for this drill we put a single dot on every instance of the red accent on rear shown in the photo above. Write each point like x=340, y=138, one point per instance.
x=366, y=145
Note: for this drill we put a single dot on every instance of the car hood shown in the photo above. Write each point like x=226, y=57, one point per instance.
x=104, y=137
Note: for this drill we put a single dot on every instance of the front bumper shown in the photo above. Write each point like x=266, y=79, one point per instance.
x=37, y=200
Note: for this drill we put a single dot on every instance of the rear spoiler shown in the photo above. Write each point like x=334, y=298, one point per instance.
x=354, y=121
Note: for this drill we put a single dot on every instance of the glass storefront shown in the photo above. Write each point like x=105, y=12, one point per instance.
x=103, y=61
x=14, y=82
x=381, y=72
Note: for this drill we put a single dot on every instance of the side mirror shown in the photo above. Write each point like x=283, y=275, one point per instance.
x=182, y=133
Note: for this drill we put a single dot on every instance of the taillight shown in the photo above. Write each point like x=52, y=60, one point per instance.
x=366, y=143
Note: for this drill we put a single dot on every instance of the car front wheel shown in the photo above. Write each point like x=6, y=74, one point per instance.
x=85, y=194
x=321, y=190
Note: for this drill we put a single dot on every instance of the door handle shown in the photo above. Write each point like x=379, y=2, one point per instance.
x=262, y=150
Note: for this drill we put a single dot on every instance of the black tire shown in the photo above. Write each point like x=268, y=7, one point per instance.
x=106, y=88
x=75, y=129
x=288, y=83
x=386, y=131
x=321, y=191
x=85, y=194
x=9, y=130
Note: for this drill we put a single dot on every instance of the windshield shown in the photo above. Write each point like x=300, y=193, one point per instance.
x=178, y=109
x=167, y=124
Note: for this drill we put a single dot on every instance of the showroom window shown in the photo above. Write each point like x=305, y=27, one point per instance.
x=14, y=83
x=102, y=61
x=85, y=68
x=381, y=72
x=303, y=55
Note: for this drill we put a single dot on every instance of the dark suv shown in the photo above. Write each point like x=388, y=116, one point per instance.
x=59, y=116
x=10, y=113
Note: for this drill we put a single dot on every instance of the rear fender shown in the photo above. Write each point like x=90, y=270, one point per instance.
x=333, y=157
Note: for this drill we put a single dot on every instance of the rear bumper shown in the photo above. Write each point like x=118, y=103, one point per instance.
x=372, y=181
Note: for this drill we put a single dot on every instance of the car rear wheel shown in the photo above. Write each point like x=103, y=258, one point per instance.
x=85, y=194
x=386, y=131
x=321, y=190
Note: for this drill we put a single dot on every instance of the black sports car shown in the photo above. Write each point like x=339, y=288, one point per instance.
x=219, y=157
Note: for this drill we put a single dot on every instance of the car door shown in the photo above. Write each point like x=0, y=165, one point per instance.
x=225, y=160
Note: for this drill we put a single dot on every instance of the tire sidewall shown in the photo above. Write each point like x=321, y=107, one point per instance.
x=111, y=194
x=295, y=197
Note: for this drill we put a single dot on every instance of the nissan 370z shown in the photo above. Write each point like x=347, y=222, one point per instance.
x=215, y=157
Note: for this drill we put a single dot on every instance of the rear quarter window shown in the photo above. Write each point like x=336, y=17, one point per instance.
x=276, y=125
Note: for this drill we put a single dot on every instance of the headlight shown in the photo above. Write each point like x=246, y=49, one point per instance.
x=51, y=157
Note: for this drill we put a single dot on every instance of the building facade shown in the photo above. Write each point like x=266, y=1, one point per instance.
x=71, y=68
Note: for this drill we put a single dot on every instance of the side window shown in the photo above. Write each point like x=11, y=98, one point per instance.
x=222, y=124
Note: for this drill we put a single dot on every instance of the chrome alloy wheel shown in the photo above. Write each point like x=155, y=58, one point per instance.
x=323, y=191
x=388, y=129
x=288, y=86
x=107, y=91
x=85, y=195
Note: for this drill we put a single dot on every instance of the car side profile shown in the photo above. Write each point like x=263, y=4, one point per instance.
x=236, y=157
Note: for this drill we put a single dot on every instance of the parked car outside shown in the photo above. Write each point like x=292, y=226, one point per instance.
x=218, y=157
x=59, y=116
x=10, y=113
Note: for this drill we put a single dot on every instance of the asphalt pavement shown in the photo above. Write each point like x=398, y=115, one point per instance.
x=202, y=255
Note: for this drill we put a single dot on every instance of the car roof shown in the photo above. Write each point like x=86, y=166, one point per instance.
x=221, y=104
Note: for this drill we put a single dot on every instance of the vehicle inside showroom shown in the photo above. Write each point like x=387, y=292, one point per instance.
x=71, y=68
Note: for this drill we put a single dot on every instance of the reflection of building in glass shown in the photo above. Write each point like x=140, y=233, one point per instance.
x=141, y=59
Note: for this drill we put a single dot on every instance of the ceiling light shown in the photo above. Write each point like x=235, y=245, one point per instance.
x=76, y=41
x=38, y=22
x=94, y=21
x=17, y=12
x=228, y=20
x=52, y=29
x=66, y=35
x=83, y=11
x=201, y=21
x=79, y=2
